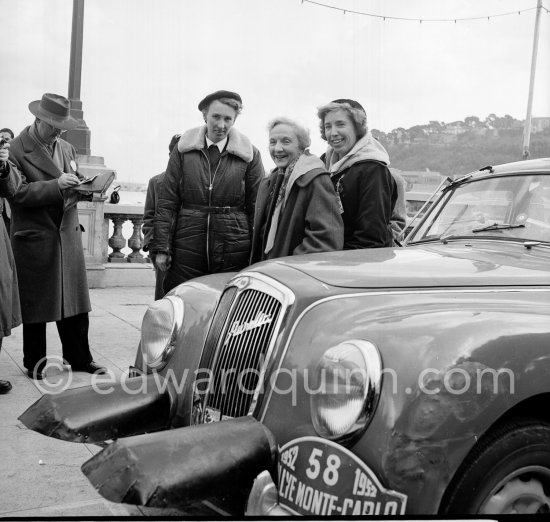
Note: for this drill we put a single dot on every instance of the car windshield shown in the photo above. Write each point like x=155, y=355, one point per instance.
x=508, y=207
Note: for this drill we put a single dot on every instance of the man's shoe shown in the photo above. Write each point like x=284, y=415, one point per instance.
x=5, y=386
x=92, y=367
x=36, y=375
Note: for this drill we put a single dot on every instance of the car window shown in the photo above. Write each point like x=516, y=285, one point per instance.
x=515, y=207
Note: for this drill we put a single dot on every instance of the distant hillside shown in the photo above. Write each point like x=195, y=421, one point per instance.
x=461, y=147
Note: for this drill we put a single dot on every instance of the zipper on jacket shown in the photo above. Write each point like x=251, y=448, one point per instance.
x=210, y=187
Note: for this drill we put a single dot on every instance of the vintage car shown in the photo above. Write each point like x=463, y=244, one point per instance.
x=390, y=381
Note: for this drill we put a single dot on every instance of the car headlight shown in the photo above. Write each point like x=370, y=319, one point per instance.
x=346, y=389
x=159, y=328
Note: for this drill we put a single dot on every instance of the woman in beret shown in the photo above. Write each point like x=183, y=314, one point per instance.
x=297, y=209
x=205, y=213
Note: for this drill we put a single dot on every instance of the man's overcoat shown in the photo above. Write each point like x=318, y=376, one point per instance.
x=46, y=238
x=10, y=315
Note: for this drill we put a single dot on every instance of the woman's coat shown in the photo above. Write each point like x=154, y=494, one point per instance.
x=368, y=193
x=310, y=220
x=46, y=239
x=205, y=214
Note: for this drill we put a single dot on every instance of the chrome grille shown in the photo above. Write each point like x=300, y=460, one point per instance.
x=210, y=344
x=241, y=336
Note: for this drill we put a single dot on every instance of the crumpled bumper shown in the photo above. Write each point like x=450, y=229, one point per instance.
x=184, y=465
x=133, y=407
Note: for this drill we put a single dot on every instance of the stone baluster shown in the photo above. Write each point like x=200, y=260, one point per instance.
x=135, y=242
x=117, y=241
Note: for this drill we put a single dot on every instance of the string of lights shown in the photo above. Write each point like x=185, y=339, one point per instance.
x=420, y=20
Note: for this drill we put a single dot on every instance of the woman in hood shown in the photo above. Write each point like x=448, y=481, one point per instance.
x=297, y=209
x=358, y=166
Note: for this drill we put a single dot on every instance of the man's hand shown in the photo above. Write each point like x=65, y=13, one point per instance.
x=67, y=181
x=163, y=261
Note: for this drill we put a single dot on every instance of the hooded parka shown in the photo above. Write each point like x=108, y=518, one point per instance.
x=10, y=314
x=205, y=213
x=310, y=219
x=46, y=238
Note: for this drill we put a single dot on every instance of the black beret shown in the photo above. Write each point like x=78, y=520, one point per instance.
x=218, y=95
x=352, y=103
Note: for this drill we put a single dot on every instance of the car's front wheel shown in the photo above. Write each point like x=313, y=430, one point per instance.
x=508, y=472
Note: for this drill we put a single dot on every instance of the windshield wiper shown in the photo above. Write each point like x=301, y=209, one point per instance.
x=498, y=226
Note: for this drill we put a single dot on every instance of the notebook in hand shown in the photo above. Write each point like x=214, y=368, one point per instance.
x=97, y=183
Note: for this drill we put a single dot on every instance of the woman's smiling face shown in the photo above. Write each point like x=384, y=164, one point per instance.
x=340, y=131
x=283, y=145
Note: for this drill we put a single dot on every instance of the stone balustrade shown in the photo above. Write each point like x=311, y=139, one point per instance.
x=120, y=214
x=114, y=257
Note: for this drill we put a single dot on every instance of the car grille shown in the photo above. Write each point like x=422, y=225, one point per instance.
x=240, y=339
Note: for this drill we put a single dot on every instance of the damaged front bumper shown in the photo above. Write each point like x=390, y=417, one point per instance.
x=184, y=465
x=102, y=412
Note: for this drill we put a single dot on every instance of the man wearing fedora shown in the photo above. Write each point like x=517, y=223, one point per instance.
x=46, y=239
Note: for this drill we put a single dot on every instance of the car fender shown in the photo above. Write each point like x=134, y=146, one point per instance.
x=200, y=297
x=431, y=343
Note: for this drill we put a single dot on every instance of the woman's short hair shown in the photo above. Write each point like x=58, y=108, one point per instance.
x=304, y=141
x=234, y=104
x=357, y=116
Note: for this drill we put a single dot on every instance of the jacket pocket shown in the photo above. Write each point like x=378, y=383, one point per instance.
x=29, y=234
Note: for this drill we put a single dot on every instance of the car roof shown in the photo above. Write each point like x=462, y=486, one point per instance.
x=541, y=165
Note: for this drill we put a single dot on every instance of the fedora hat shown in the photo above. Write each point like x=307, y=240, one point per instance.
x=55, y=110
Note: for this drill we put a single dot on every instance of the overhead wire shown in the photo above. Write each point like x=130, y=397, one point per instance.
x=421, y=20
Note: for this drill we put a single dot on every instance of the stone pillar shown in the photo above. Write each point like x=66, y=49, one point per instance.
x=91, y=217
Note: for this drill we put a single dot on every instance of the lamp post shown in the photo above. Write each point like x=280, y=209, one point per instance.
x=81, y=135
x=527, y=127
x=91, y=214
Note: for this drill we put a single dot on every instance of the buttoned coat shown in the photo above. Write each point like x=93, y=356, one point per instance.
x=46, y=238
x=10, y=314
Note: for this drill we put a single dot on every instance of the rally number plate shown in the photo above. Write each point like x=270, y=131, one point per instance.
x=320, y=477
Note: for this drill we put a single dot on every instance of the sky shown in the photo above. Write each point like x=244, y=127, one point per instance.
x=147, y=64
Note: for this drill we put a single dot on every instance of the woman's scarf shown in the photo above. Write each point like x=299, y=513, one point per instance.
x=279, y=205
x=367, y=148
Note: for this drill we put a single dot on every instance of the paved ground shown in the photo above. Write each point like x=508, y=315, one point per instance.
x=40, y=476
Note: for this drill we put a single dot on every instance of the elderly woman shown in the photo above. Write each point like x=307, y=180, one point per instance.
x=203, y=222
x=358, y=166
x=297, y=209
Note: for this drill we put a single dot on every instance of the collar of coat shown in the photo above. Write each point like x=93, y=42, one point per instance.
x=237, y=144
x=38, y=157
x=305, y=170
x=367, y=148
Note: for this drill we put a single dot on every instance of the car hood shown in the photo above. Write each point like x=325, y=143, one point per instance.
x=479, y=263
